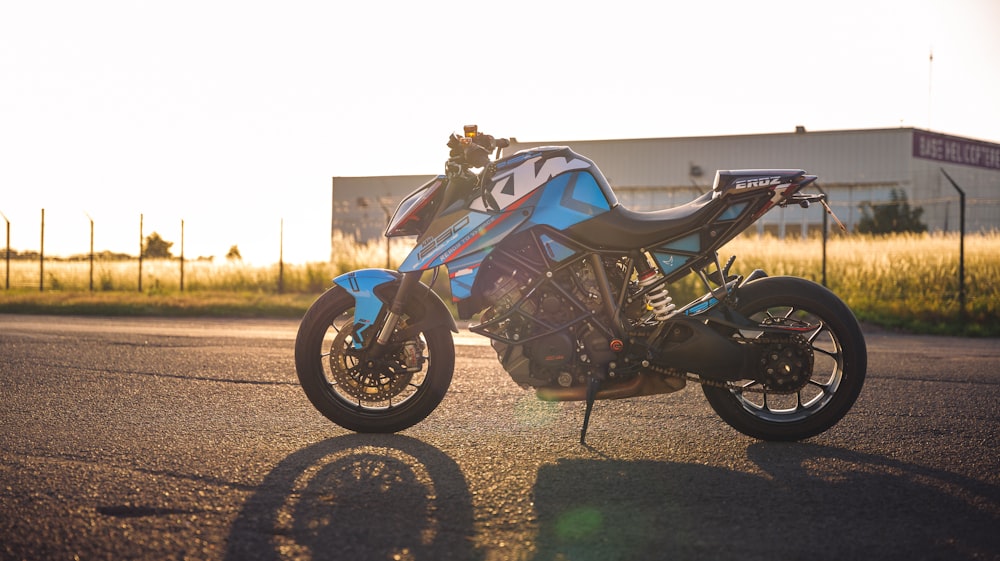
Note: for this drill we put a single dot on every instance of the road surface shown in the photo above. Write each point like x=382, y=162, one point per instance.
x=190, y=439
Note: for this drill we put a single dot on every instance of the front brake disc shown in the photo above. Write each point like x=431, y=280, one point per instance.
x=365, y=379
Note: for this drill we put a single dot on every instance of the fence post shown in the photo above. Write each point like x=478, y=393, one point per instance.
x=7, y=269
x=826, y=225
x=961, y=245
x=140, y=252
x=91, y=251
x=182, y=255
x=385, y=203
x=41, y=257
x=281, y=258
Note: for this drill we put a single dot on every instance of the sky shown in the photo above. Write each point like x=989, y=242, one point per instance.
x=233, y=116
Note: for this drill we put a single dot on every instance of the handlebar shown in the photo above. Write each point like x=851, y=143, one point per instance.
x=472, y=150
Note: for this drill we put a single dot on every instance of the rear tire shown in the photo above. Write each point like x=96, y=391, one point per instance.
x=840, y=361
x=369, y=394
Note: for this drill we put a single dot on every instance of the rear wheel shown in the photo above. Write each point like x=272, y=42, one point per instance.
x=363, y=392
x=810, y=379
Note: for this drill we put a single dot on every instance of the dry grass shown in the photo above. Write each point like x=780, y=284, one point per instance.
x=903, y=279
x=164, y=276
x=909, y=281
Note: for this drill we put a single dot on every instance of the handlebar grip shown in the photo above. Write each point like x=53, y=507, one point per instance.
x=474, y=151
x=477, y=156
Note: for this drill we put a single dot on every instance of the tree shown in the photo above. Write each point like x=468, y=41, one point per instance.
x=156, y=247
x=894, y=216
x=234, y=254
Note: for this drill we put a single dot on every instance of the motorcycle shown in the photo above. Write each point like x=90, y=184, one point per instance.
x=573, y=290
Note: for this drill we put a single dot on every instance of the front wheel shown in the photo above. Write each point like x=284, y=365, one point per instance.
x=367, y=393
x=811, y=378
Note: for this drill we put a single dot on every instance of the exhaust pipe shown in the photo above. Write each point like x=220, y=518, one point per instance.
x=643, y=384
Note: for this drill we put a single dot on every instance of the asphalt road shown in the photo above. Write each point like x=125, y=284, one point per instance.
x=190, y=439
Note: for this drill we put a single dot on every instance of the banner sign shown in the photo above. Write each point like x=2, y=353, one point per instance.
x=956, y=150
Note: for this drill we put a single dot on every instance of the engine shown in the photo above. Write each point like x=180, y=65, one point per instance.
x=545, y=333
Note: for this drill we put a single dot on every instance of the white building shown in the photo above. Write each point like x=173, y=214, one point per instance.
x=855, y=168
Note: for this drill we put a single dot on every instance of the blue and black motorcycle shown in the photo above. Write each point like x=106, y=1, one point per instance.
x=572, y=289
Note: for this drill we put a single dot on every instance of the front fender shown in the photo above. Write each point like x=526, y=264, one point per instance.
x=367, y=305
x=369, y=299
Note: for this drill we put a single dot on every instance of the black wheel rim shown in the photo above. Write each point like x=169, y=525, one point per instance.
x=365, y=384
x=817, y=392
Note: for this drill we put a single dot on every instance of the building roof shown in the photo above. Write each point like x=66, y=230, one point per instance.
x=869, y=156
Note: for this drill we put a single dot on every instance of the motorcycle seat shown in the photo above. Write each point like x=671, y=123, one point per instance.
x=623, y=229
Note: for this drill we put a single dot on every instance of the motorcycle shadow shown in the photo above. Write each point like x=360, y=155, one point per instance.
x=811, y=502
x=358, y=497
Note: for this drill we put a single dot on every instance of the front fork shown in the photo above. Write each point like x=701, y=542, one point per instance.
x=374, y=336
x=362, y=285
x=406, y=285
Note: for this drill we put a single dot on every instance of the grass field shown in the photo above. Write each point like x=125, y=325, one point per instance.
x=906, y=281
x=901, y=281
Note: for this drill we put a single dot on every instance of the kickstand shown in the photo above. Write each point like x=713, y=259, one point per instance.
x=592, y=386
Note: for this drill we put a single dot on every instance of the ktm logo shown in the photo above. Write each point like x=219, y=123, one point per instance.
x=510, y=186
x=756, y=182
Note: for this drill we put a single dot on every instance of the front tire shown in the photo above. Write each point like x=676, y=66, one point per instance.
x=835, y=374
x=364, y=393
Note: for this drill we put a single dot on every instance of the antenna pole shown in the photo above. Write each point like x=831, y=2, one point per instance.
x=930, y=84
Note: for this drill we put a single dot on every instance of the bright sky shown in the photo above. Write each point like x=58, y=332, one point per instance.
x=233, y=115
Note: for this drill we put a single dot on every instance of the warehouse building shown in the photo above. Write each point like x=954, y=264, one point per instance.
x=858, y=169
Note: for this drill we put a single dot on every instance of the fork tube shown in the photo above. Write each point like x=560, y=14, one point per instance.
x=396, y=308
